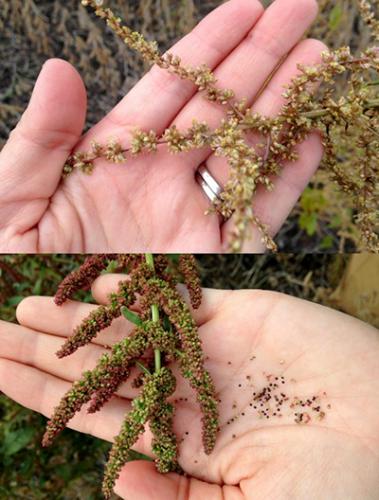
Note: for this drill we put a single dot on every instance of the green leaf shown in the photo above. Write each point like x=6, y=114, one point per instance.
x=309, y=223
x=135, y=455
x=37, y=288
x=14, y=301
x=132, y=317
x=16, y=441
x=313, y=200
x=335, y=222
x=65, y=471
x=142, y=368
x=335, y=17
x=327, y=243
x=111, y=268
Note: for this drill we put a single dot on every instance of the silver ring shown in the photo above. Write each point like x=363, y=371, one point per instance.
x=208, y=183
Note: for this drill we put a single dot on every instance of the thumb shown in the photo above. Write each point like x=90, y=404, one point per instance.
x=32, y=161
x=141, y=481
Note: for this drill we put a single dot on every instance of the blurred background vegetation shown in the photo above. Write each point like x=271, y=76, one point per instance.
x=34, y=30
x=72, y=468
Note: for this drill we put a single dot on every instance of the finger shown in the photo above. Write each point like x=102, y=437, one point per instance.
x=211, y=302
x=247, y=68
x=206, y=44
x=62, y=320
x=32, y=161
x=274, y=207
x=37, y=349
x=42, y=392
x=156, y=486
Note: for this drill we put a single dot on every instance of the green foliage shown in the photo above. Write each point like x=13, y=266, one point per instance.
x=131, y=316
x=312, y=203
x=17, y=440
x=28, y=471
x=336, y=17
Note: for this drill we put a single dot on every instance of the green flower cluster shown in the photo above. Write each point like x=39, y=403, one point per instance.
x=100, y=383
x=191, y=358
x=163, y=324
x=164, y=444
x=157, y=387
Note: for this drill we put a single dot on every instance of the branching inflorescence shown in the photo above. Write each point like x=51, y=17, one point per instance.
x=257, y=162
x=164, y=323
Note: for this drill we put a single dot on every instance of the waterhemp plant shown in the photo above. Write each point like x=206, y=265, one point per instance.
x=165, y=327
x=257, y=162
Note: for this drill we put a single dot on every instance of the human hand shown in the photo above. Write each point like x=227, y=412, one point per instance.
x=247, y=335
x=154, y=203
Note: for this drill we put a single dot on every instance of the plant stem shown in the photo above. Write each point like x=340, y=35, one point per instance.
x=157, y=352
x=319, y=113
x=155, y=314
x=142, y=368
x=373, y=104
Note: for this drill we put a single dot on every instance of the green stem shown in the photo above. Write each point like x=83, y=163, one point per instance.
x=150, y=260
x=142, y=368
x=373, y=104
x=155, y=315
x=319, y=113
x=157, y=352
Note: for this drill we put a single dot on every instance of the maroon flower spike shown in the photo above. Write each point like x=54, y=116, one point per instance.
x=126, y=263
x=82, y=278
x=93, y=384
x=116, y=376
x=97, y=321
x=188, y=267
x=100, y=319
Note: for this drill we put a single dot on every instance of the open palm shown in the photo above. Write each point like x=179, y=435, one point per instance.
x=247, y=337
x=154, y=202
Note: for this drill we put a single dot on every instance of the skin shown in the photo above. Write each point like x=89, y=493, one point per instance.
x=154, y=203
x=317, y=350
